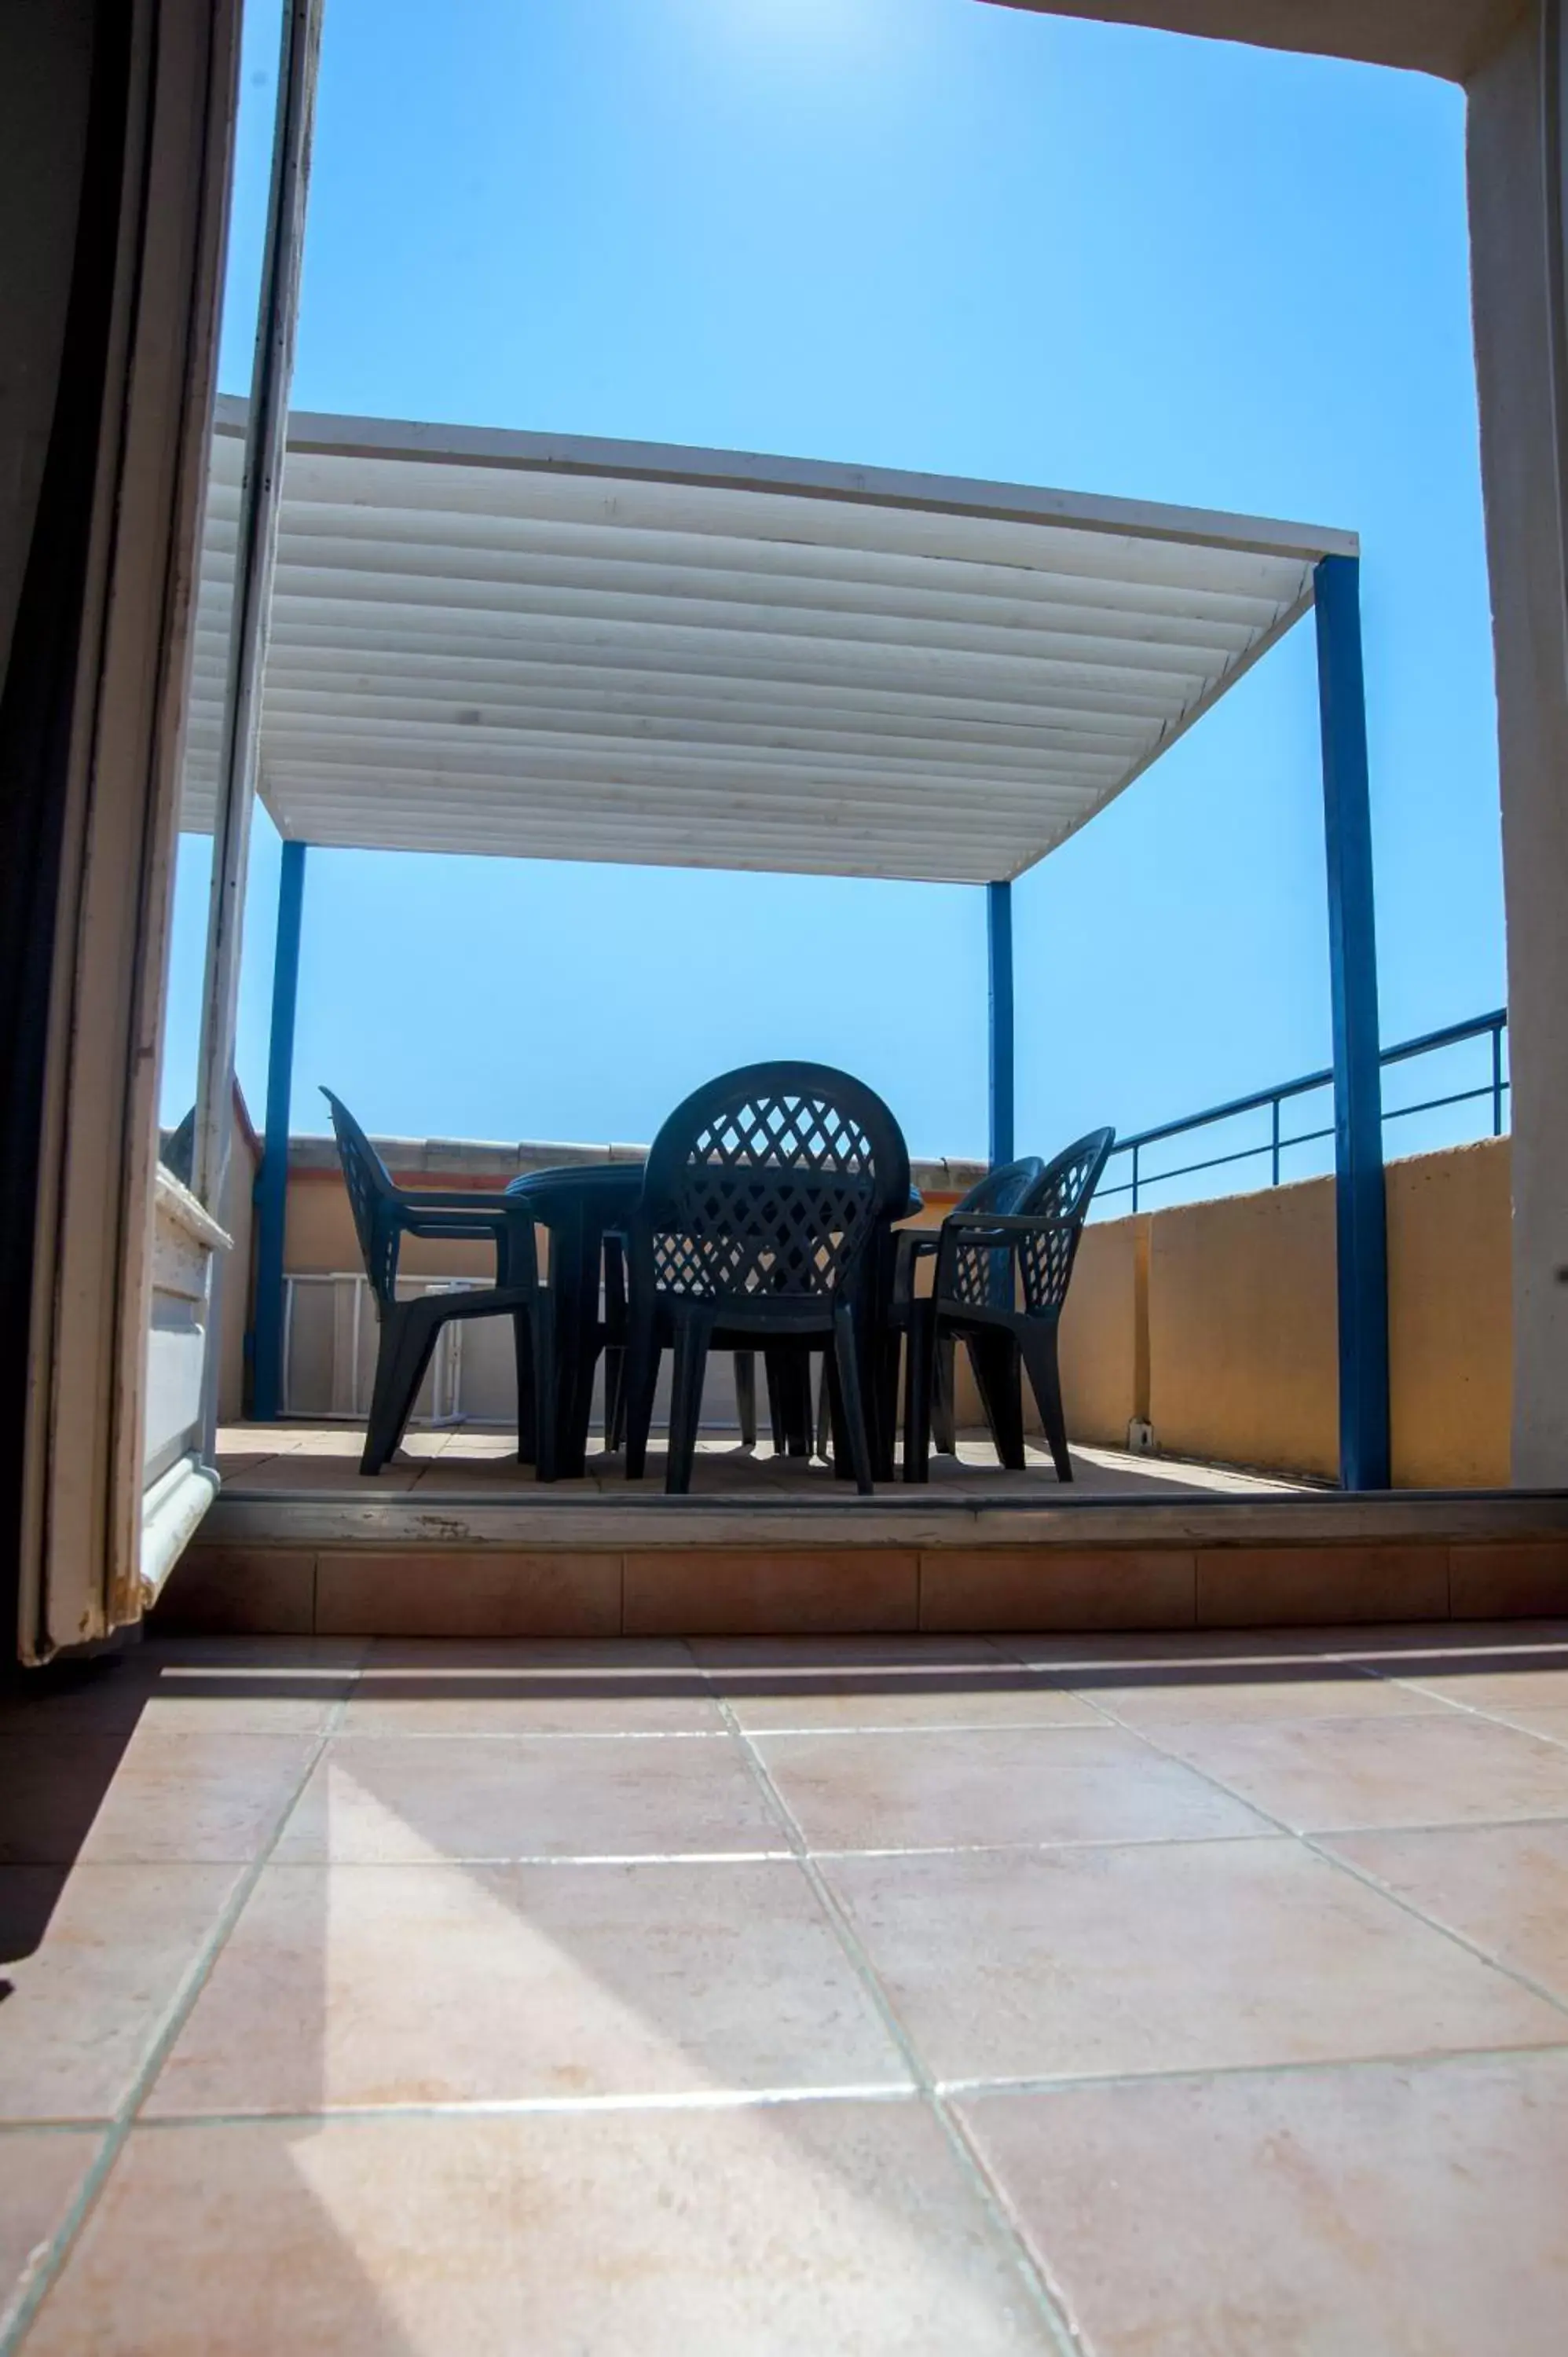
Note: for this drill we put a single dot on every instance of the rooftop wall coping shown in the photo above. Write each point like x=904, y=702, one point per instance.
x=482, y=1158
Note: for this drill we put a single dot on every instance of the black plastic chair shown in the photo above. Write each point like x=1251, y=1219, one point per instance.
x=1005, y=1188
x=383, y=1214
x=767, y=1195
x=1000, y=1281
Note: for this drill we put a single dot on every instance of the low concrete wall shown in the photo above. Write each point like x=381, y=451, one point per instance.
x=1227, y=1342
x=1104, y=1333
x=1242, y=1330
x=1450, y=1323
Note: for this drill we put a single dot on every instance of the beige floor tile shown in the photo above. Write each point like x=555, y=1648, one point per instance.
x=1166, y=1956
x=562, y=1686
x=890, y=1682
x=1467, y=1638
x=956, y=1786
x=401, y=1800
x=1504, y=1886
x=160, y=1689
x=94, y=1960
x=720, y=1658
x=437, y=1983
x=303, y=1655
x=1447, y=1769
x=42, y=2173
x=787, y=2231
x=1338, y=2214
x=147, y=1798
x=317, y=1469
x=954, y=1699
x=1496, y=1682
x=1113, y=1651
x=1550, y=1722
x=1300, y=1689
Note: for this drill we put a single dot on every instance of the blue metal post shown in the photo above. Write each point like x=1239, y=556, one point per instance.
x=999, y=935
x=271, y=1181
x=1361, y=1230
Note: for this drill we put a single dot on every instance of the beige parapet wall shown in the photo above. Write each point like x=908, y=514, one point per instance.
x=1225, y=1338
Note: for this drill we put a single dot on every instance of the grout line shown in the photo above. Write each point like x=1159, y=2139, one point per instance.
x=1200, y=2073
x=505, y=2107
x=1316, y=1845
x=1490, y=1714
x=176, y=2014
x=1319, y=1848
x=1045, y=2296
x=354, y=1736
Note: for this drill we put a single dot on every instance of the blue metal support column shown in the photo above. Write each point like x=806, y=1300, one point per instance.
x=1361, y=1229
x=271, y=1181
x=999, y=937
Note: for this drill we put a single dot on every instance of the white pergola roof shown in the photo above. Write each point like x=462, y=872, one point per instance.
x=549, y=647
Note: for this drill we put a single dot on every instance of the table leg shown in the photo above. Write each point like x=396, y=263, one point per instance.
x=576, y=1243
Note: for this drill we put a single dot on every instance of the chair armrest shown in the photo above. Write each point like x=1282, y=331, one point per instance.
x=998, y=1227
x=997, y=1232
x=457, y=1217
x=458, y=1198
x=910, y=1244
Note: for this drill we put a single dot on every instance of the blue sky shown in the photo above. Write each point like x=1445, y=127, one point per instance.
x=929, y=233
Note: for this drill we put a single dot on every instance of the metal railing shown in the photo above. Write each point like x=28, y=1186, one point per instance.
x=1270, y=1101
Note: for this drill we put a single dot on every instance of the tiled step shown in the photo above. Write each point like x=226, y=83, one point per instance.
x=342, y=1565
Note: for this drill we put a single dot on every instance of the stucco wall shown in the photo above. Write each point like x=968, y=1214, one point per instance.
x=1228, y=1345
x=1450, y=1332
x=1105, y=1332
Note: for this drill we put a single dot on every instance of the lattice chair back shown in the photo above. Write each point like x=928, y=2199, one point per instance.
x=768, y=1184
x=1062, y=1196
x=373, y=1197
x=982, y=1276
x=1005, y=1188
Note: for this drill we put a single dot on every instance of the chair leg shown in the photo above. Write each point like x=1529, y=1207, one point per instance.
x=996, y=1371
x=527, y=1388
x=884, y=1358
x=641, y=1382
x=1039, y=1348
x=852, y=1407
x=773, y=1369
x=824, y=1432
x=407, y=1338
x=615, y=1394
x=542, y=1321
x=917, y=1362
x=686, y=1402
x=790, y=1398
x=944, y=1413
x=615, y=1341
x=746, y=1395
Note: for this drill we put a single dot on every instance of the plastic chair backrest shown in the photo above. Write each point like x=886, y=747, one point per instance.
x=1006, y=1188
x=1061, y=1195
x=770, y=1182
x=373, y=1197
x=989, y=1275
